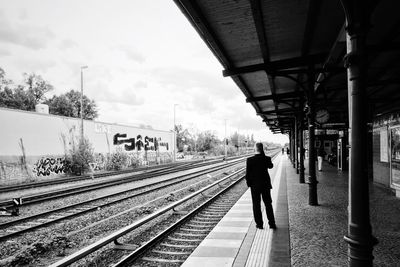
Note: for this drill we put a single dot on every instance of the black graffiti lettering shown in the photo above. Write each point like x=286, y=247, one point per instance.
x=155, y=143
x=165, y=144
x=45, y=166
x=149, y=143
x=119, y=142
x=139, y=142
x=132, y=144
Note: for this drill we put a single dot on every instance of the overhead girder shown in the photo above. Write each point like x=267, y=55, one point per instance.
x=274, y=66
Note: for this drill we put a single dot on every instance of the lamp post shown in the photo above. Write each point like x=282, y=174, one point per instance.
x=225, y=145
x=175, y=143
x=82, y=68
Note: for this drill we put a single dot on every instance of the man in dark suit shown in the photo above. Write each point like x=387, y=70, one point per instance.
x=257, y=178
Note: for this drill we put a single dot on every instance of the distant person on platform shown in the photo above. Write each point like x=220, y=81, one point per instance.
x=321, y=154
x=283, y=151
x=257, y=178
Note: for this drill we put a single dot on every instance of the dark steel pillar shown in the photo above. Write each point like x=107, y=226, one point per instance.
x=312, y=178
x=293, y=152
x=301, y=147
x=359, y=236
x=290, y=145
x=296, y=144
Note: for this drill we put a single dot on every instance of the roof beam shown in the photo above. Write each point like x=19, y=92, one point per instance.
x=274, y=66
x=256, y=11
x=336, y=53
x=279, y=111
x=274, y=97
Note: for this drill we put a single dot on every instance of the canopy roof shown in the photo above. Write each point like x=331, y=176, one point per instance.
x=269, y=47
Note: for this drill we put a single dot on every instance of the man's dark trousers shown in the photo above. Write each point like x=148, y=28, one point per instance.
x=256, y=195
x=259, y=181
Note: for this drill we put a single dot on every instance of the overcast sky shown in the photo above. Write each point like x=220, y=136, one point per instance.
x=143, y=56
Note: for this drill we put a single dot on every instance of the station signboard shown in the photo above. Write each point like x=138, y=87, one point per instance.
x=395, y=156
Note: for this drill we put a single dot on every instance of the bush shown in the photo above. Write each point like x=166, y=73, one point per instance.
x=118, y=160
x=79, y=157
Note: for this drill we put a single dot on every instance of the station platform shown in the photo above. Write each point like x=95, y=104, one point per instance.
x=305, y=235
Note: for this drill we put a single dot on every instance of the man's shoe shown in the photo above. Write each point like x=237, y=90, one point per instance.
x=259, y=227
x=272, y=226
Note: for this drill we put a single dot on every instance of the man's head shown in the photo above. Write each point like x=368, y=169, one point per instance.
x=259, y=148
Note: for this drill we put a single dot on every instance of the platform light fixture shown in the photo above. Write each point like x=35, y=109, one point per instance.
x=175, y=143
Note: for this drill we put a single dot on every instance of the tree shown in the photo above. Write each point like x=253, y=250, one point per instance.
x=69, y=104
x=206, y=141
x=37, y=87
x=183, y=137
x=24, y=96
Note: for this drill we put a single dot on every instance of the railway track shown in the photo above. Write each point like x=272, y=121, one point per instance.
x=172, y=243
x=176, y=243
x=70, y=179
x=30, y=223
x=36, y=198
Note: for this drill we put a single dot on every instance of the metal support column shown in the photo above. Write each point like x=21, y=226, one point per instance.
x=301, y=147
x=296, y=144
x=359, y=236
x=312, y=178
x=290, y=145
x=292, y=153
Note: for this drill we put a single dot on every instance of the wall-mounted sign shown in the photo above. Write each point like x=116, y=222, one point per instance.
x=384, y=145
x=332, y=132
x=395, y=156
x=322, y=116
x=102, y=128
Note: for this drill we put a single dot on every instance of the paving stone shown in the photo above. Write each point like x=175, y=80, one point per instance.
x=316, y=232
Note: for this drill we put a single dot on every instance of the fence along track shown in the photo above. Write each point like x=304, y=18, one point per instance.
x=127, y=229
x=36, y=198
x=24, y=225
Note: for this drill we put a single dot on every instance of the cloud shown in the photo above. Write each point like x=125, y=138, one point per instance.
x=26, y=35
x=35, y=64
x=202, y=103
x=67, y=43
x=22, y=14
x=131, y=53
x=185, y=79
x=140, y=84
x=126, y=96
x=4, y=52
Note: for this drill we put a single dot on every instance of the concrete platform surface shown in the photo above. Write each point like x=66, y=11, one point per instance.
x=234, y=241
x=307, y=235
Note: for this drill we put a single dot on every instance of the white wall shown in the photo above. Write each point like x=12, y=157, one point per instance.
x=42, y=134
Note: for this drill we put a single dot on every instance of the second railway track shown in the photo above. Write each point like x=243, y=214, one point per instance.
x=35, y=198
x=30, y=223
x=159, y=247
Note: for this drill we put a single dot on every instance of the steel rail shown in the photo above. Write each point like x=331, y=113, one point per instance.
x=153, y=241
x=35, y=198
x=71, y=179
x=149, y=244
x=95, y=207
x=123, y=231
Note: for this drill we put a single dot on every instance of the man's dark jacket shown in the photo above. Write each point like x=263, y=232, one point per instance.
x=257, y=175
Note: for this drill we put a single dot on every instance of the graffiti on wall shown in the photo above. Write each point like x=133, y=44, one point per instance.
x=46, y=166
x=139, y=143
